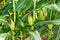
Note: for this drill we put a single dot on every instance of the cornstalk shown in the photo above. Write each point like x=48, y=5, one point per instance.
x=50, y=31
x=32, y=27
x=12, y=34
x=50, y=15
x=7, y=38
x=21, y=34
x=34, y=4
x=56, y=15
x=54, y=1
x=4, y=2
x=20, y=31
x=14, y=10
x=57, y=37
x=34, y=14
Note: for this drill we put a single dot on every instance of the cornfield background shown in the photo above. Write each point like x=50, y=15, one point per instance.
x=29, y=19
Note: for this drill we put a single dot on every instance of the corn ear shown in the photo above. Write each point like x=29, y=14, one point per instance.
x=41, y=16
x=50, y=26
x=30, y=20
x=12, y=25
x=45, y=12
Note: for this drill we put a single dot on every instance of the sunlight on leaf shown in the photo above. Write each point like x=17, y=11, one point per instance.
x=35, y=35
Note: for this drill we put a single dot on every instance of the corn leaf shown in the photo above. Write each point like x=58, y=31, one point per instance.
x=3, y=19
x=35, y=35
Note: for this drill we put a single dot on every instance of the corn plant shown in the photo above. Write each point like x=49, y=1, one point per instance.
x=29, y=19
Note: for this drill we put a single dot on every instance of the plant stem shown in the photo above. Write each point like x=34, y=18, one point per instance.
x=21, y=34
x=50, y=15
x=4, y=2
x=34, y=4
x=51, y=34
x=34, y=14
x=50, y=31
x=7, y=38
x=56, y=15
x=32, y=27
x=30, y=38
x=54, y=1
x=58, y=33
x=12, y=35
x=14, y=10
